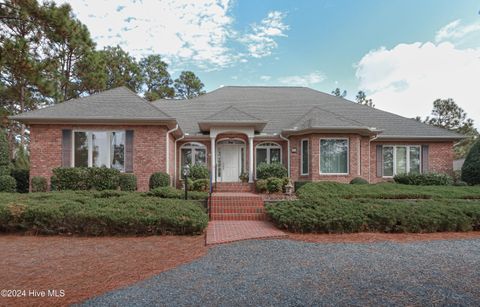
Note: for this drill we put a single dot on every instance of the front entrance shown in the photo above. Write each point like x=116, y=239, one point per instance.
x=230, y=160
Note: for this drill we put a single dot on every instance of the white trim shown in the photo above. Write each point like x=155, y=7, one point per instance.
x=320, y=157
x=188, y=145
x=394, y=147
x=288, y=153
x=167, y=146
x=240, y=146
x=301, y=157
x=268, y=148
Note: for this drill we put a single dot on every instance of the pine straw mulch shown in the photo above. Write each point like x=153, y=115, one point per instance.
x=87, y=267
x=371, y=237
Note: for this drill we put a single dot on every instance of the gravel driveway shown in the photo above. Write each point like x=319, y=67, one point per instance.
x=294, y=273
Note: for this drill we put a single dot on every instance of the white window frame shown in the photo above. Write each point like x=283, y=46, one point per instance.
x=268, y=147
x=395, y=158
x=320, y=157
x=193, y=146
x=301, y=157
x=90, y=145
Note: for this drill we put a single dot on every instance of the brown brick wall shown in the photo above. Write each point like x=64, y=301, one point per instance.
x=148, y=153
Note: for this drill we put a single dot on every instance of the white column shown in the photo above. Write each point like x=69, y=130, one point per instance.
x=212, y=154
x=250, y=160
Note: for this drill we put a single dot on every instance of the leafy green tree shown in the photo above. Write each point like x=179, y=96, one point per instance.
x=156, y=78
x=362, y=99
x=471, y=166
x=188, y=85
x=4, y=155
x=447, y=114
x=22, y=160
x=121, y=69
x=338, y=92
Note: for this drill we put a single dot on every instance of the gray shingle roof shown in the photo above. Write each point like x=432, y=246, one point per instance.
x=231, y=113
x=118, y=104
x=280, y=107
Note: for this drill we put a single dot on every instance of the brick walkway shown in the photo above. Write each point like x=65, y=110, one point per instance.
x=229, y=231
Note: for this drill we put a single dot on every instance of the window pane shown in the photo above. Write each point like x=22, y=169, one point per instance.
x=275, y=155
x=415, y=160
x=200, y=156
x=186, y=156
x=117, y=151
x=100, y=149
x=305, y=157
x=401, y=160
x=261, y=155
x=387, y=161
x=80, y=149
x=333, y=156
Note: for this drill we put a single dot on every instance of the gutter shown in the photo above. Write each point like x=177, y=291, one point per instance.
x=370, y=156
x=175, y=159
x=167, y=146
x=288, y=154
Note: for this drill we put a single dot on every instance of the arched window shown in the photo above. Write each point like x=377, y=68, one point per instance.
x=268, y=152
x=193, y=153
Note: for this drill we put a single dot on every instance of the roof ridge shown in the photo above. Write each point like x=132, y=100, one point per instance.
x=149, y=103
x=309, y=112
x=234, y=108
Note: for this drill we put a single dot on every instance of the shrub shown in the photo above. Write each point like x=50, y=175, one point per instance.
x=201, y=185
x=127, y=182
x=471, y=166
x=103, y=178
x=424, y=179
x=199, y=171
x=53, y=183
x=261, y=185
x=115, y=213
x=4, y=155
x=265, y=170
x=22, y=177
x=7, y=184
x=39, y=184
x=170, y=192
x=274, y=184
x=71, y=178
x=460, y=183
x=159, y=180
x=298, y=184
x=358, y=180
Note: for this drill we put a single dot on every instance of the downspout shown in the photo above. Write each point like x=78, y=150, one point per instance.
x=175, y=160
x=288, y=153
x=370, y=157
x=167, y=137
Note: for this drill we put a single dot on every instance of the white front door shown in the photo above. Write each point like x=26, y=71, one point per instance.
x=230, y=161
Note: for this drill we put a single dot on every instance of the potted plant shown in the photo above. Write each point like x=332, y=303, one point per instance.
x=243, y=177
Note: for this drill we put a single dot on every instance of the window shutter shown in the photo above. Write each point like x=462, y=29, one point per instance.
x=129, y=151
x=424, y=159
x=379, y=161
x=66, y=148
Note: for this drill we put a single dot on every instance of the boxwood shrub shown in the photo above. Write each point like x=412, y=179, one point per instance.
x=22, y=177
x=266, y=170
x=199, y=171
x=358, y=180
x=127, y=182
x=7, y=184
x=39, y=184
x=159, y=180
x=201, y=185
x=424, y=179
x=170, y=192
x=71, y=178
x=471, y=166
x=103, y=178
x=274, y=184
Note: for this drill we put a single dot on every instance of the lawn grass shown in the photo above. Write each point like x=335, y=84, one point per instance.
x=99, y=213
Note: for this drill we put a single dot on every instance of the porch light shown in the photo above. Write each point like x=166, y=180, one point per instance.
x=186, y=173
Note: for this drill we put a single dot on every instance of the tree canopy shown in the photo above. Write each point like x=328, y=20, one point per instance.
x=188, y=85
x=362, y=99
x=339, y=93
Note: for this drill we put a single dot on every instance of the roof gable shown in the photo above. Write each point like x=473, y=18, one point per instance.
x=231, y=113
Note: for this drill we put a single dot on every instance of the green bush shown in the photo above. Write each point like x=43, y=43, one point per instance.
x=261, y=185
x=39, y=184
x=199, y=171
x=71, y=178
x=115, y=213
x=358, y=180
x=201, y=185
x=170, y=192
x=7, y=183
x=274, y=185
x=5, y=164
x=460, y=183
x=159, y=180
x=103, y=178
x=424, y=179
x=53, y=183
x=127, y=182
x=298, y=184
x=265, y=170
x=22, y=177
x=471, y=166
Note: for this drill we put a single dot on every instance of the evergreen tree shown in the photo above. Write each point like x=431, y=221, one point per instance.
x=121, y=69
x=188, y=85
x=4, y=155
x=362, y=99
x=338, y=92
x=156, y=78
x=471, y=166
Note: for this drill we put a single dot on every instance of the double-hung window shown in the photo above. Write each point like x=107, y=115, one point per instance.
x=401, y=159
x=334, y=156
x=99, y=148
x=269, y=153
x=193, y=153
x=304, y=157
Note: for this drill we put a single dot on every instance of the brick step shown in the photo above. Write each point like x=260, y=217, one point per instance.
x=235, y=203
x=243, y=210
x=233, y=187
x=238, y=216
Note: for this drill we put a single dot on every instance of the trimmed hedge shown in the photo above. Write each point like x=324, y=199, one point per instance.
x=159, y=180
x=102, y=178
x=424, y=179
x=201, y=185
x=99, y=213
x=261, y=185
x=127, y=182
x=22, y=177
x=346, y=216
x=199, y=171
x=169, y=192
x=7, y=184
x=71, y=178
x=265, y=170
x=358, y=180
x=274, y=184
x=39, y=184
x=471, y=166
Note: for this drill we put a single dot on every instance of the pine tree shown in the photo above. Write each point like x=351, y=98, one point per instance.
x=121, y=69
x=156, y=78
x=188, y=85
x=4, y=155
x=471, y=166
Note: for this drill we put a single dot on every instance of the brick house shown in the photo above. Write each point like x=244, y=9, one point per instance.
x=231, y=130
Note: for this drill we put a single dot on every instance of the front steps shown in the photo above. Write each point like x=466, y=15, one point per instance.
x=233, y=187
x=236, y=206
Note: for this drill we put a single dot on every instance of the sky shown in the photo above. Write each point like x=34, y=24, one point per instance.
x=403, y=53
